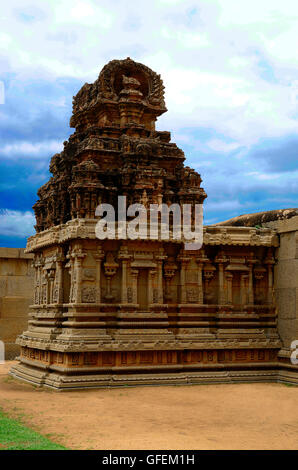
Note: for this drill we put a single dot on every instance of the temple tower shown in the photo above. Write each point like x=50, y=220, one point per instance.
x=121, y=311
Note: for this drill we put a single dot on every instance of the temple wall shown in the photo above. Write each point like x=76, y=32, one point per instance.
x=286, y=280
x=16, y=293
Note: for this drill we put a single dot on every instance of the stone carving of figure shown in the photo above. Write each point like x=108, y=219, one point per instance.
x=130, y=89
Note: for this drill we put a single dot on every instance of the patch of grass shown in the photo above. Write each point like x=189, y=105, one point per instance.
x=8, y=379
x=16, y=436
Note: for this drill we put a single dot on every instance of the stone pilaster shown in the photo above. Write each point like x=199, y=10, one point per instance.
x=151, y=277
x=184, y=260
x=269, y=261
x=124, y=256
x=98, y=259
x=59, y=278
x=159, y=260
x=200, y=262
x=244, y=289
x=134, y=277
x=78, y=257
x=229, y=281
x=221, y=259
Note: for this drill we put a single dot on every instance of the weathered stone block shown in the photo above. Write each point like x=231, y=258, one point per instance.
x=287, y=248
x=16, y=306
x=20, y=285
x=286, y=273
x=10, y=329
x=288, y=330
x=287, y=302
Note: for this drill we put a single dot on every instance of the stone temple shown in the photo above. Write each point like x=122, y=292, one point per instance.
x=127, y=312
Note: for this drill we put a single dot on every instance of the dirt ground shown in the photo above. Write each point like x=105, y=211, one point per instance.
x=244, y=416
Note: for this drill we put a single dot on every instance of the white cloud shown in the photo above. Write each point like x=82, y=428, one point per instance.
x=16, y=223
x=229, y=68
x=186, y=38
x=256, y=12
x=5, y=40
x=223, y=205
x=33, y=150
x=269, y=176
x=221, y=146
x=227, y=65
x=83, y=12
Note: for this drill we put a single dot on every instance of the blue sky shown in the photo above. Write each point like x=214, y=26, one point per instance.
x=230, y=69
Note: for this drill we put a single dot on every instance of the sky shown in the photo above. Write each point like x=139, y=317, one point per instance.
x=230, y=70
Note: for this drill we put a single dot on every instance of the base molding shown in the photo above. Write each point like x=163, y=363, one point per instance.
x=106, y=369
x=62, y=382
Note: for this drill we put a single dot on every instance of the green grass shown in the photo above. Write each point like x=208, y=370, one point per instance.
x=16, y=436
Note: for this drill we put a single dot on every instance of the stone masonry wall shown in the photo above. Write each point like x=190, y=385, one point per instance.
x=16, y=293
x=285, y=222
x=286, y=280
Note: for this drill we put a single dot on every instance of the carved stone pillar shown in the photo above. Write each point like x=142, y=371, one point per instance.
x=98, y=259
x=38, y=284
x=151, y=276
x=200, y=284
x=208, y=274
x=70, y=266
x=251, y=261
x=221, y=259
x=159, y=282
x=124, y=282
x=49, y=277
x=124, y=257
x=201, y=259
x=270, y=284
x=184, y=260
x=159, y=260
x=250, y=286
x=43, y=286
x=270, y=262
x=38, y=296
x=170, y=269
x=259, y=273
x=134, y=277
x=182, y=282
x=229, y=280
x=78, y=257
x=46, y=297
x=34, y=265
x=221, y=292
x=59, y=278
x=244, y=289
x=78, y=273
x=110, y=270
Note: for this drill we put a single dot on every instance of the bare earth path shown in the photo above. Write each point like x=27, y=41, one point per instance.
x=245, y=416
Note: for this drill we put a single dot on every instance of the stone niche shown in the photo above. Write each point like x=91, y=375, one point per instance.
x=127, y=312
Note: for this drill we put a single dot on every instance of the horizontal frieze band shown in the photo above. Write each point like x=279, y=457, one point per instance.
x=147, y=358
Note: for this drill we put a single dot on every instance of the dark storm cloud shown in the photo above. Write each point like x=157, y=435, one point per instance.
x=278, y=155
x=33, y=118
x=36, y=111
